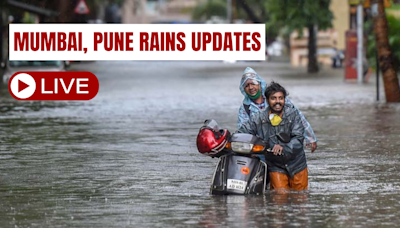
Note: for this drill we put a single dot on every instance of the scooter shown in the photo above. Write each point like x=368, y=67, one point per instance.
x=239, y=170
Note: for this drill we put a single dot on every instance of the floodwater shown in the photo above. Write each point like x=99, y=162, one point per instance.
x=128, y=157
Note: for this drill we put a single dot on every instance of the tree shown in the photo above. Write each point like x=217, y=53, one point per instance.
x=250, y=12
x=208, y=9
x=300, y=14
x=243, y=9
x=390, y=80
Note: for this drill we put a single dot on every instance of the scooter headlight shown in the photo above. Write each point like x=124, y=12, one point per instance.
x=242, y=147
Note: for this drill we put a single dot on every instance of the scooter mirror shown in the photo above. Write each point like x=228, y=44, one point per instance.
x=283, y=137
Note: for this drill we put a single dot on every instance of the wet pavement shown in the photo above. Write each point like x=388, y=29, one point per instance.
x=128, y=157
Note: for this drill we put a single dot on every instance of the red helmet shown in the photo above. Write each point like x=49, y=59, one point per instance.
x=211, y=140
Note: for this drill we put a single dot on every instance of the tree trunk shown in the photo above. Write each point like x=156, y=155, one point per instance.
x=390, y=80
x=312, y=50
x=2, y=28
x=66, y=9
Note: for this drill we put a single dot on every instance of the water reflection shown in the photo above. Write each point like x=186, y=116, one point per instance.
x=270, y=210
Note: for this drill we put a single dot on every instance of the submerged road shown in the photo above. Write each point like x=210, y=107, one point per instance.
x=128, y=157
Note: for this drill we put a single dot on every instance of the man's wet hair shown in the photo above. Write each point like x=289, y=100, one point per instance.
x=274, y=87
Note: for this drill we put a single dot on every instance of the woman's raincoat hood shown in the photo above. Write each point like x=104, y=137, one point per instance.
x=249, y=73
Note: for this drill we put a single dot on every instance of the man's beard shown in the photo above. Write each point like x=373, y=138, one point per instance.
x=276, y=111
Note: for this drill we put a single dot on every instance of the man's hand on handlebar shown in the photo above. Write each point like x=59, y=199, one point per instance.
x=277, y=150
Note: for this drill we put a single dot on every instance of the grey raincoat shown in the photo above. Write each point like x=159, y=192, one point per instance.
x=243, y=117
x=293, y=159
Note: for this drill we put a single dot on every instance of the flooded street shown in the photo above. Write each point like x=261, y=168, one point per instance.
x=128, y=157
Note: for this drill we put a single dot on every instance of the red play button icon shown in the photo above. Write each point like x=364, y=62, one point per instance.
x=22, y=85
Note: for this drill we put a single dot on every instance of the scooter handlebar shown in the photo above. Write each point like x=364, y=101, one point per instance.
x=268, y=150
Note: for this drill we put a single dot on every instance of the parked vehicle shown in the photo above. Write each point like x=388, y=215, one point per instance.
x=11, y=67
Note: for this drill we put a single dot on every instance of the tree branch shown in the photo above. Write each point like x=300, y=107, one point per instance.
x=249, y=12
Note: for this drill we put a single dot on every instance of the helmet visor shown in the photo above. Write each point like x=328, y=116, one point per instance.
x=211, y=124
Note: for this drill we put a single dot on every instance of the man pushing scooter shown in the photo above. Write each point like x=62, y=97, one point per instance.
x=287, y=165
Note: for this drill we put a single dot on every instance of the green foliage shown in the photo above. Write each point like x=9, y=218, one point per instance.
x=394, y=40
x=394, y=7
x=280, y=16
x=298, y=14
x=28, y=18
x=208, y=9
